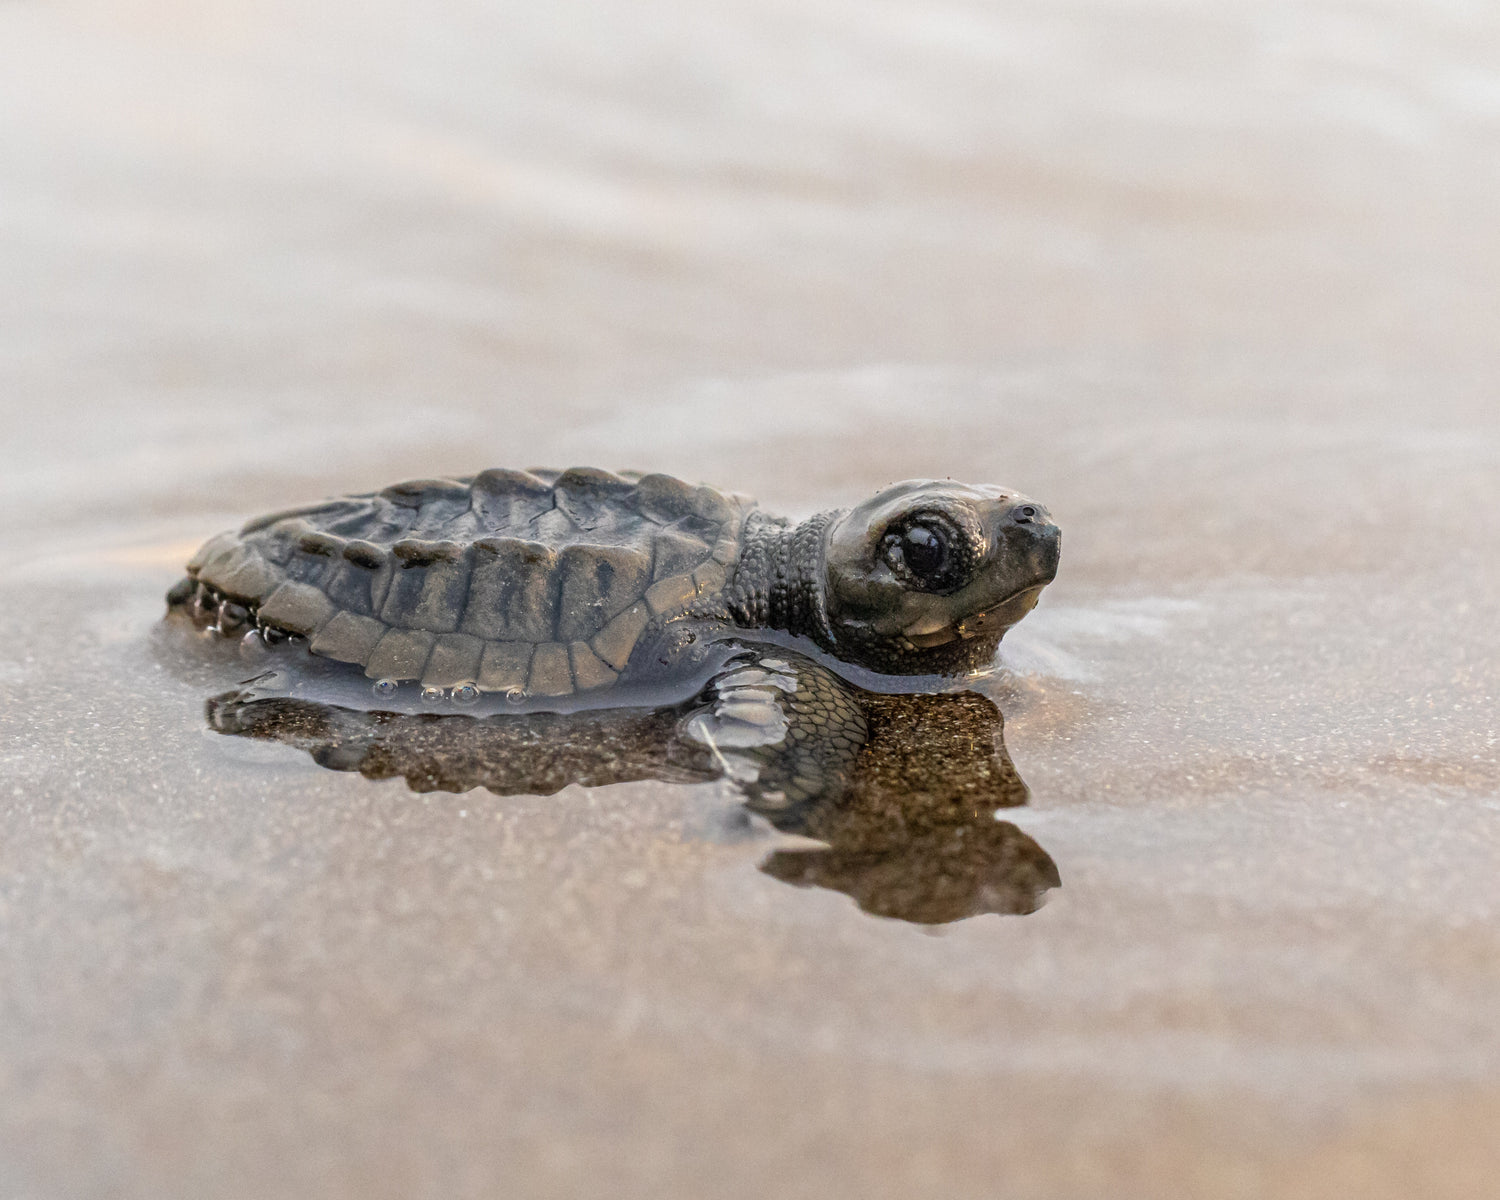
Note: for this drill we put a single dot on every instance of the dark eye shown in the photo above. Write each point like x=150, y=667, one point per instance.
x=925, y=551
x=922, y=553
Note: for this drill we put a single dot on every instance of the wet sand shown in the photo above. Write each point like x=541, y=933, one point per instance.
x=1217, y=283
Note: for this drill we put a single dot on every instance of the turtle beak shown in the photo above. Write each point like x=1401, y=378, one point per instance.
x=1005, y=614
x=1027, y=548
x=992, y=621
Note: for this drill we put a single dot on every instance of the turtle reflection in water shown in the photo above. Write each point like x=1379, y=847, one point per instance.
x=903, y=789
x=570, y=591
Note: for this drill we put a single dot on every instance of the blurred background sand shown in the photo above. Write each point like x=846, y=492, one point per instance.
x=1216, y=281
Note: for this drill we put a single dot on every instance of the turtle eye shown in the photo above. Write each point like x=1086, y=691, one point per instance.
x=923, y=554
x=924, y=551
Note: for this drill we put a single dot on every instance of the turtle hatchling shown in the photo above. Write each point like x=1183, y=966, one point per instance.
x=568, y=588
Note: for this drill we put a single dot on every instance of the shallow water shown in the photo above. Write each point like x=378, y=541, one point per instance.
x=900, y=793
x=1217, y=283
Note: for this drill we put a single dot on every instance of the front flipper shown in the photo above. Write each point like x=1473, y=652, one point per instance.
x=786, y=729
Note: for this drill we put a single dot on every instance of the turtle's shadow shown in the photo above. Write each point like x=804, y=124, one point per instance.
x=903, y=791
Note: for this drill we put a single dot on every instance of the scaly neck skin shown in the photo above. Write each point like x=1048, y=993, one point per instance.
x=778, y=580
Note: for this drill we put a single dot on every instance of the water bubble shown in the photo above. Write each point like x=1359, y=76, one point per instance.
x=384, y=689
x=516, y=695
x=253, y=647
x=432, y=695
x=465, y=694
x=232, y=617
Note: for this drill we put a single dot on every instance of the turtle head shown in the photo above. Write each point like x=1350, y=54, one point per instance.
x=925, y=577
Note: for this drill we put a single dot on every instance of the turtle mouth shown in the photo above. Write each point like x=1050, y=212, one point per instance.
x=1003, y=615
x=992, y=622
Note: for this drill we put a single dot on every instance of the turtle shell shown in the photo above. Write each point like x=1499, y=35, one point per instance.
x=541, y=581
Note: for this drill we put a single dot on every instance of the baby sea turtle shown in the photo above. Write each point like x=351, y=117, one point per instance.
x=563, y=587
